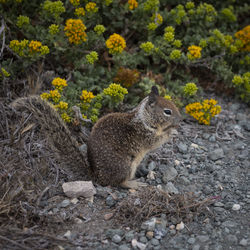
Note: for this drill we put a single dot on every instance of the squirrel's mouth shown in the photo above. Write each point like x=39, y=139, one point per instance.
x=170, y=126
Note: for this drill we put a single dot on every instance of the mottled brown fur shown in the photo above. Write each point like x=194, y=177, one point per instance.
x=118, y=142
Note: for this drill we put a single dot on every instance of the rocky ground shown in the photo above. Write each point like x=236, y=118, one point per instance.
x=210, y=161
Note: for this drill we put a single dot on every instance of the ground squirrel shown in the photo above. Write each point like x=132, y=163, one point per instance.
x=118, y=141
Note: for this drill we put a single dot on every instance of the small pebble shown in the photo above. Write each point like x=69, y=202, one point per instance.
x=243, y=242
x=116, y=238
x=236, y=207
x=65, y=203
x=180, y=226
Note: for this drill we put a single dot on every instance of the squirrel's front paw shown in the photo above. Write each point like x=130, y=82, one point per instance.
x=133, y=184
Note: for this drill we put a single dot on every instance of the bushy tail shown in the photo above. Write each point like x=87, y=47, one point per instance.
x=57, y=132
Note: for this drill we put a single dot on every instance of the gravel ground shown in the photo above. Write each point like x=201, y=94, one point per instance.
x=210, y=161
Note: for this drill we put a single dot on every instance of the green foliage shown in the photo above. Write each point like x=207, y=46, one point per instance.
x=91, y=40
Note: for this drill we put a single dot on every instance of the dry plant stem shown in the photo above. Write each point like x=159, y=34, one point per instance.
x=13, y=242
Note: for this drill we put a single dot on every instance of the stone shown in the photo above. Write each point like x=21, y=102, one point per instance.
x=218, y=204
x=143, y=239
x=155, y=242
x=116, y=238
x=124, y=247
x=191, y=240
x=150, y=235
x=74, y=201
x=243, y=242
x=171, y=188
x=79, y=188
x=216, y=154
x=236, y=207
x=151, y=175
x=138, y=244
x=232, y=239
x=182, y=147
x=151, y=166
x=169, y=174
x=110, y=201
x=196, y=247
x=180, y=226
x=65, y=203
x=202, y=238
x=129, y=236
x=149, y=225
x=229, y=223
x=111, y=232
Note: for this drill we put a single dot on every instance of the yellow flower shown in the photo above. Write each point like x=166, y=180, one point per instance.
x=116, y=91
x=55, y=95
x=87, y=96
x=75, y=31
x=80, y=12
x=132, y=4
x=157, y=18
x=203, y=112
x=66, y=117
x=75, y=2
x=91, y=7
x=59, y=83
x=62, y=105
x=35, y=46
x=45, y=96
x=115, y=44
x=194, y=52
x=244, y=36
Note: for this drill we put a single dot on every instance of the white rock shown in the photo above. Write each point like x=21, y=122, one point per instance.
x=67, y=234
x=74, y=201
x=151, y=175
x=177, y=163
x=236, y=207
x=193, y=145
x=79, y=188
x=138, y=244
x=180, y=226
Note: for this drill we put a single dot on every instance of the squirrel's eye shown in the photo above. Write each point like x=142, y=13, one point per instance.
x=167, y=112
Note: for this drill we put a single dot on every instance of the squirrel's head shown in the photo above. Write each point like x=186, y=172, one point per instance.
x=162, y=112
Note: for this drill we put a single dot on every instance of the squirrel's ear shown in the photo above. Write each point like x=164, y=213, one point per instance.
x=153, y=94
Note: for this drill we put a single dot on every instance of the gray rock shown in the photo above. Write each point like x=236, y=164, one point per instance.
x=212, y=138
x=169, y=174
x=202, y=238
x=110, y=201
x=111, y=232
x=129, y=236
x=171, y=188
x=65, y=203
x=124, y=247
x=184, y=180
x=182, y=147
x=149, y=225
x=143, y=239
x=205, y=136
x=216, y=154
x=191, y=240
x=218, y=204
x=245, y=125
x=196, y=247
x=232, y=238
x=151, y=165
x=243, y=242
x=229, y=223
x=219, y=209
x=116, y=238
x=155, y=242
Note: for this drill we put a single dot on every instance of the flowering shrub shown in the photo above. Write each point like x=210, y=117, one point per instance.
x=75, y=31
x=115, y=44
x=136, y=44
x=203, y=112
x=194, y=52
